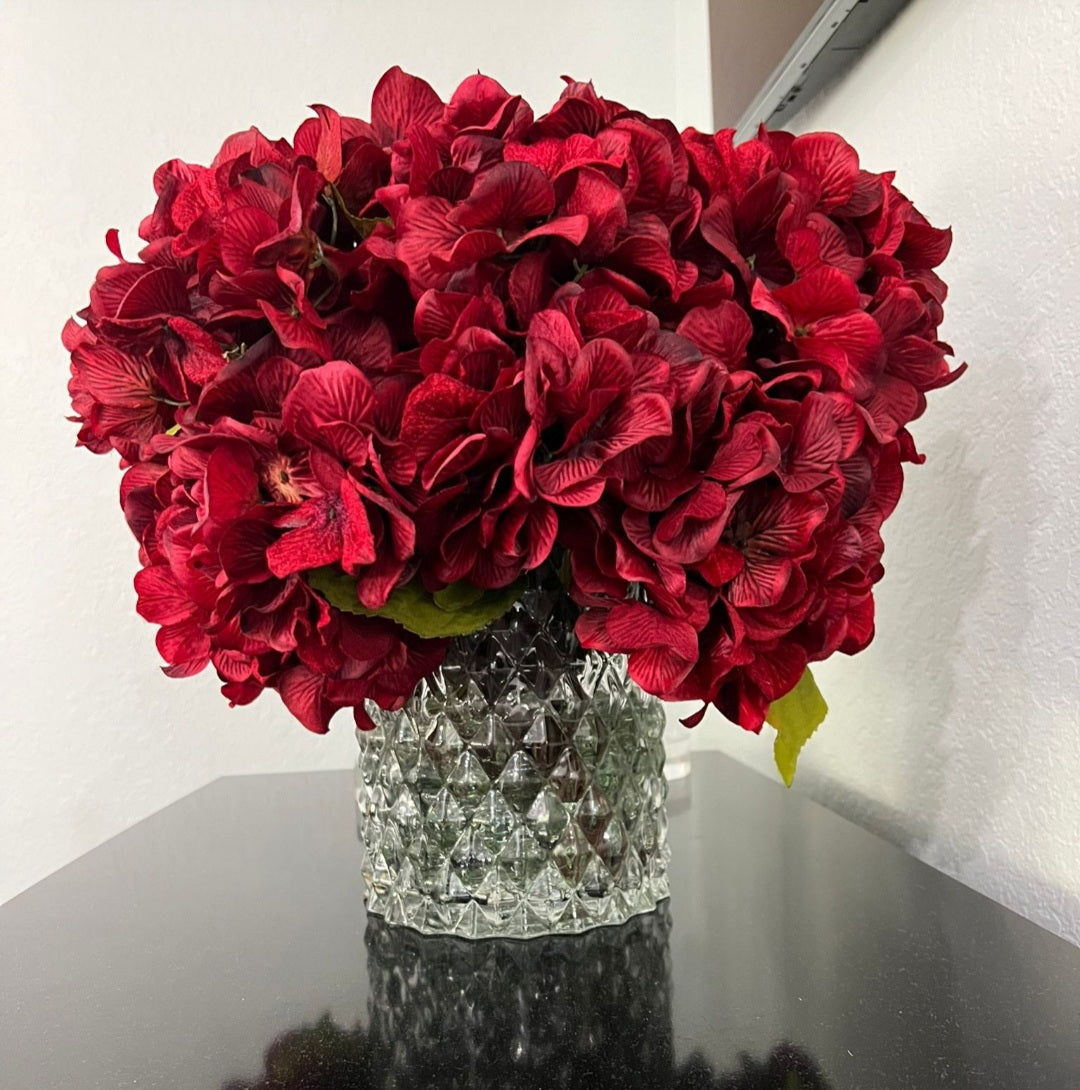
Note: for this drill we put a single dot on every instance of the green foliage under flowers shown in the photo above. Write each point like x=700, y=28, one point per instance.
x=458, y=610
x=795, y=716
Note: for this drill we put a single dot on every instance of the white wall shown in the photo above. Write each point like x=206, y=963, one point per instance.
x=93, y=96
x=957, y=733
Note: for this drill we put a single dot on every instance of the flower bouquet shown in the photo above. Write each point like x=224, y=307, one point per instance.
x=417, y=413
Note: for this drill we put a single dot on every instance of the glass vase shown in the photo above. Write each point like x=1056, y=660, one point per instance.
x=520, y=791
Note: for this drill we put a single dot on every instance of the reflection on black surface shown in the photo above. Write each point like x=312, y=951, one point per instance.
x=591, y=1010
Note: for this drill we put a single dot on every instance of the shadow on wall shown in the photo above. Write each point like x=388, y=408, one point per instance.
x=974, y=572
x=911, y=669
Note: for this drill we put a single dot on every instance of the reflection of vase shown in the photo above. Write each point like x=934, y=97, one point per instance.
x=563, y=1012
x=589, y=1011
x=520, y=791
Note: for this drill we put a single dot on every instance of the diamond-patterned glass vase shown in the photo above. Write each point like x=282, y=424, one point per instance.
x=521, y=789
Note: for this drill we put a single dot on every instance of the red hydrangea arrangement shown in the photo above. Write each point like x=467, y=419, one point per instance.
x=368, y=382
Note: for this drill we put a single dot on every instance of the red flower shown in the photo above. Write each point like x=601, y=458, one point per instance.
x=591, y=400
x=822, y=315
x=459, y=342
x=121, y=401
x=662, y=649
x=465, y=422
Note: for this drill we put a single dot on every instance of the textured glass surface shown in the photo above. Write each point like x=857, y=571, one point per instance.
x=520, y=791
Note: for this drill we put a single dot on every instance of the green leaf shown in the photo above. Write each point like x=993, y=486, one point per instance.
x=457, y=596
x=458, y=610
x=362, y=225
x=795, y=716
x=565, y=572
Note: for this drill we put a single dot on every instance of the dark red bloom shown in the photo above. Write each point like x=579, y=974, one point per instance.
x=459, y=343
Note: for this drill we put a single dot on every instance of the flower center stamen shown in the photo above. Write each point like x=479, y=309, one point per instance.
x=278, y=477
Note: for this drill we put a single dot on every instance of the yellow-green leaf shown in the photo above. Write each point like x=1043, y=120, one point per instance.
x=457, y=610
x=795, y=716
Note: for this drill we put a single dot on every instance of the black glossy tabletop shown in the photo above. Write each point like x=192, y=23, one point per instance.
x=223, y=944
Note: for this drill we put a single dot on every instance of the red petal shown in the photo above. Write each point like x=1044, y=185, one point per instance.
x=657, y=669
x=157, y=291
x=892, y=404
x=376, y=583
x=529, y=286
x=572, y=228
x=750, y=451
x=570, y=482
x=760, y=582
x=830, y=161
x=335, y=396
x=358, y=542
x=232, y=486
x=640, y=418
x=693, y=719
x=509, y=195
x=855, y=334
x=821, y=292
x=245, y=229
x=436, y=410
x=113, y=377
x=456, y=457
x=304, y=694
x=816, y=446
x=777, y=672
x=400, y=101
x=542, y=527
x=476, y=100
x=328, y=153
x=112, y=241
x=784, y=526
x=202, y=358
x=250, y=142
x=471, y=248
x=662, y=649
x=242, y=550
x=294, y=332
x=722, y=565
x=924, y=247
x=423, y=229
x=185, y=646
x=718, y=229
x=437, y=313
x=161, y=601
x=599, y=199
x=722, y=331
x=402, y=529
x=820, y=241
x=917, y=361
x=602, y=370
x=646, y=249
x=633, y=625
x=692, y=527
x=315, y=541
x=652, y=155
